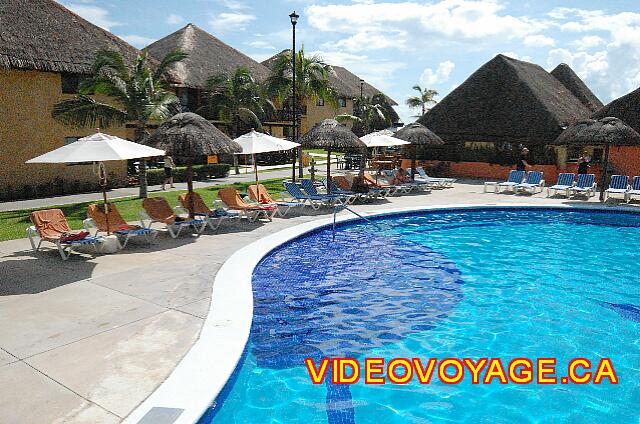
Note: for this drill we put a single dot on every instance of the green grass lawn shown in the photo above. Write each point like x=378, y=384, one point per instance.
x=322, y=152
x=14, y=223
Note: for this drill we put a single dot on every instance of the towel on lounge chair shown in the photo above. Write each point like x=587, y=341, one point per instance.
x=117, y=224
x=159, y=210
x=231, y=198
x=260, y=194
x=51, y=225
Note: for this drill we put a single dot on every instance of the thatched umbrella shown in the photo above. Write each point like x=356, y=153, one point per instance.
x=605, y=131
x=187, y=136
x=331, y=135
x=418, y=135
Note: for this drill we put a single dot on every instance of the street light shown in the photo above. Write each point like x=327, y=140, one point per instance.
x=294, y=20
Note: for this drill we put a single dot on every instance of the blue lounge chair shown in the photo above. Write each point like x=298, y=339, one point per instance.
x=533, y=182
x=515, y=178
x=564, y=183
x=586, y=185
x=309, y=188
x=332, y=188
x=619, y=184
x=635, y=189
x=296, y=192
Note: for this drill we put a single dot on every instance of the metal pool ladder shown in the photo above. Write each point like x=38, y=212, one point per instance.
x=338, y=208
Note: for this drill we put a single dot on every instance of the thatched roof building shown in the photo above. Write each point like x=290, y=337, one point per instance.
x=45, y=36
x=506, y=100
x=208, y=56
x=606, y=130
x=343, y=81
x=572, y=81
x=626, y=108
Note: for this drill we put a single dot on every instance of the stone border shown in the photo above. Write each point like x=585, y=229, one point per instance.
x=189, y=391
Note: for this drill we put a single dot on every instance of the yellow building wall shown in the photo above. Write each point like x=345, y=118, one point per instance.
x=27, y=130
x=317, y=113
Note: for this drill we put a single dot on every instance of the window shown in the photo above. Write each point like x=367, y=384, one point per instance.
x=320, y=102
x=70, y=83
x=342, y=102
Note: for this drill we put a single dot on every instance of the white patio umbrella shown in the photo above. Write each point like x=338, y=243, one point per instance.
x=382, y=138
x=98, y=147
x=255, y=142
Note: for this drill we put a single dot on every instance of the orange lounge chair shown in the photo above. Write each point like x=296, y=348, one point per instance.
x=52, y=226
x=265, y=199
x=343, y=184
x=200, y=209
x=231, y=198
x=97, y=219
x=157, y=209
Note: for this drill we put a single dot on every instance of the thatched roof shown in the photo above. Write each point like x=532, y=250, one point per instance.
x=417, y=134
x=187, y=135
x=343, y=81
x=506, y=100
x=572, y=81
x=601, y=131
x=208, y=56
x=45, y=36
x=330, y=134
x=626, y=108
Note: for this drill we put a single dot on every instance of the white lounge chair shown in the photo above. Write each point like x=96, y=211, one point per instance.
x=585, y=185
x=635, y=189
x=514, y=179
x=564, y=183
x=619, y=184
x=533, y=182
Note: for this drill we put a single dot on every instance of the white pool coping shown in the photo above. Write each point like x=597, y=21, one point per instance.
x=200, y=376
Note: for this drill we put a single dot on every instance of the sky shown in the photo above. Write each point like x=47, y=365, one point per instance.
x=394, y=45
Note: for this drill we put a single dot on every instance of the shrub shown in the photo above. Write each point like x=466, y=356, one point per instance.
x=200, y=173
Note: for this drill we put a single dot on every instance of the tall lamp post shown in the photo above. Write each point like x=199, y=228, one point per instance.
x=363, y=162
x=294, y=20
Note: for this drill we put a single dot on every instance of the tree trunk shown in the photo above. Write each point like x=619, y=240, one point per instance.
x=235, y=157
x=142, y=169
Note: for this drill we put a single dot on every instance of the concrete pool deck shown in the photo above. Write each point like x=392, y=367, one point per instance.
x=87, y=340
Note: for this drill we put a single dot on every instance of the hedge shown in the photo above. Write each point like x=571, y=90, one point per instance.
x=200, y=173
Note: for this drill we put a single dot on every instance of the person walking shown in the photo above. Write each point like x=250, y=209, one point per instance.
x=523, y=165
x=169, y=166
x=584, y=162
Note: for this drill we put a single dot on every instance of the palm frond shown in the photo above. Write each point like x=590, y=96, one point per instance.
x=83, y=111
x=170, y=58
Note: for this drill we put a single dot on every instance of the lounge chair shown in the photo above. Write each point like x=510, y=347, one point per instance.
x=97, y=221
x=296, y=192
x=214, y=218
x=585, y=185
x=515, y=178
x=309, y=188
x=352, y=196
x=392, y=189
x=52, y=226
x=391, y=174
x=344, y=184
x=533, y=182
x=619, y=184
x=231, y=198
x=157, y=209
x=564, y=183
x=259, y=194
x=634, y=190
x=444, y=182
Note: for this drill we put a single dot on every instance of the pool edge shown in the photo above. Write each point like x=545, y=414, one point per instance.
x=198, y=378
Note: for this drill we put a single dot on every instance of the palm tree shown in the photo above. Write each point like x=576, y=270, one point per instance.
x=423, y=100
x=370, y=114
x=138, y=93
x=238, y=100
x=312, y=81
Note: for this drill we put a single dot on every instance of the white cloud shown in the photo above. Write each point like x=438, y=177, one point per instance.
x=539, y=41
x=94, y=14
x=429, y=77
x=462, y=20
x=233, y=4
x=174, y=19
x=588, y=42
x=231, y=21
x=515, y=55
x=137, y=40
x=371, y=39
x=260, y=44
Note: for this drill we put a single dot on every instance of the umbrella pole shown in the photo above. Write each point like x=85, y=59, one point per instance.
x=413, y=163
x=329, y=170
x=255, y=168
x=605, y=168
x=190, y=187
x=102, y=176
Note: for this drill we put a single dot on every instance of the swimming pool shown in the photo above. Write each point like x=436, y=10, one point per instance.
x=471, y=283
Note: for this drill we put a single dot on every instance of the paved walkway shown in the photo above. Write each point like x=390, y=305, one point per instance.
x=87, y=340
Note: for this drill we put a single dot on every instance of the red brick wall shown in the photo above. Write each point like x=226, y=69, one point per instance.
x=625, y=160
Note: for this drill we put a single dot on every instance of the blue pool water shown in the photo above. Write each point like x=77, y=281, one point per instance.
x=480, y=283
